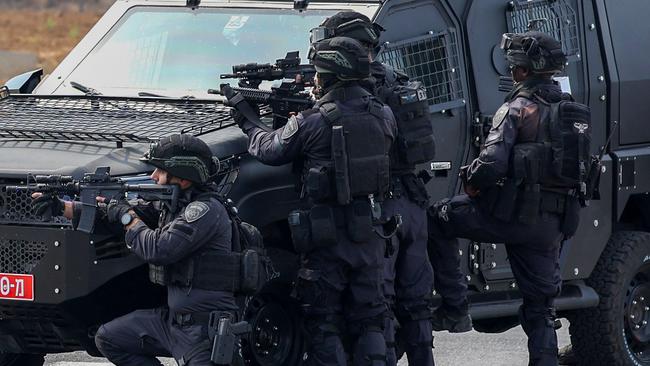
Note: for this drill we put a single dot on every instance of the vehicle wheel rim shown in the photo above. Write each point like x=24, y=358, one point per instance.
x=272, y=335
x=637, y=315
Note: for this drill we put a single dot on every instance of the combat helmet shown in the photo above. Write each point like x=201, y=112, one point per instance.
x=344, y=57
x=349, y=24
x=536, y=51
x=183, y=156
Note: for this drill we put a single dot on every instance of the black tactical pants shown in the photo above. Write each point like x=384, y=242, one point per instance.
x=340, y=288
x=137, y=338
x=533, y=251
x=409, y=284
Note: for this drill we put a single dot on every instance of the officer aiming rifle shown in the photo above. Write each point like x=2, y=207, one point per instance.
x=89, y=188
x=290, y=96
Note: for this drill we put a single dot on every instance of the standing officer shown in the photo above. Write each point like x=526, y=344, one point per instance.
x=409, y=276
x=514, y=196
x=343, y=145
x=199, y=230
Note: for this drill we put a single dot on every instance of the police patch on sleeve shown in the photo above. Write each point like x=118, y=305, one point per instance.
x=195, y=211
x=290, y=128
x=500, y=116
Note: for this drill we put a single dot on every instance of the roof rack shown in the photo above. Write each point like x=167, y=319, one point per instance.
x=112, y=119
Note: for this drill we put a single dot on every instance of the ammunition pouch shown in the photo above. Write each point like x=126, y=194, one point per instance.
x=312, y=229
x=158, y=275
x=318, y=184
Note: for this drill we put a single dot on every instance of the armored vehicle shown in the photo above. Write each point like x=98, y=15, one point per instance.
x=143, y=71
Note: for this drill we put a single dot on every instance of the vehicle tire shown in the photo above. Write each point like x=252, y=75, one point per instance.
x=13, y=359
x=616, y=332
x=276, y=335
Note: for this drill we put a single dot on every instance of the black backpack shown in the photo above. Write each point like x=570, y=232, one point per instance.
x=408, y=101
x=567, y=137
x=256, y=267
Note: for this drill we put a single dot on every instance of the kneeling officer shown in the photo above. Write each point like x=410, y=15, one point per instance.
x=199, y=230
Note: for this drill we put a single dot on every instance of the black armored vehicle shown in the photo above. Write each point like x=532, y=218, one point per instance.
x=143, y=72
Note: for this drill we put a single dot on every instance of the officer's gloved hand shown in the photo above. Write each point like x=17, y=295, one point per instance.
x=116, y=209
x=47, y=204
x=244, y=123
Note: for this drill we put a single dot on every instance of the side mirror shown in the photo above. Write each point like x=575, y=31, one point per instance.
x=25, y=83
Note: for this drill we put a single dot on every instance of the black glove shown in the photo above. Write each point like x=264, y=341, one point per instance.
x=241, y=120
x=48, y=204
x=116, y=209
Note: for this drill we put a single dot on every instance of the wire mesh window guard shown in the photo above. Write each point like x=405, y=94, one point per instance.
x=433, y=60
x=554, y=17
x=113, y=119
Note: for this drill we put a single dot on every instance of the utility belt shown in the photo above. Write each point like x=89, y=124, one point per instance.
x=527, y=203
x=410, y=186
x=234, y=272
x=318, y=226
x=222, y=331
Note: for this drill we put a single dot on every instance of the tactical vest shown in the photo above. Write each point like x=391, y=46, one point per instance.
x=359, y=165
x=408, y=100
x=242, y=271
x=559, y=156
x=548, y=171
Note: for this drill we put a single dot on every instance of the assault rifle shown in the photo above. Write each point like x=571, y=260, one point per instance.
x=93, y=185
x=290, y=96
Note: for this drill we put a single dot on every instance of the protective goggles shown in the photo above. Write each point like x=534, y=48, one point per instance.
x=356, y=28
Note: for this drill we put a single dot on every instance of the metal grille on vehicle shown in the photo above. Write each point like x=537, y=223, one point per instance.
x=433, y=60
x=15, y=207
x=555, y=17
x=20, y=256
x=101, y=118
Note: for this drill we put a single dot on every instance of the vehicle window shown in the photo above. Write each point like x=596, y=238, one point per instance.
x=181, y=51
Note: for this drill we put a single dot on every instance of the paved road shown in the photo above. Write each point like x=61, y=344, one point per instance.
x=470, y=349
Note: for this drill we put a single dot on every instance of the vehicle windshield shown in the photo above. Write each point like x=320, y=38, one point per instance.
x=179, y=51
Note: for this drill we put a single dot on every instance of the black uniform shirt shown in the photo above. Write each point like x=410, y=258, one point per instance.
x=204, y=227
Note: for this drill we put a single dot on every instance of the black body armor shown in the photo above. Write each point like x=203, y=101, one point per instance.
x=242, y=271
x=359, y=167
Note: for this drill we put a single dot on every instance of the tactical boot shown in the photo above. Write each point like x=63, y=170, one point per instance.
x=566, y=356
x=443, y=319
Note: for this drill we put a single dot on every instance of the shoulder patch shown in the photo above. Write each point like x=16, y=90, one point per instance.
x=500, y=115
x=290, y=128
x=195, y=211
